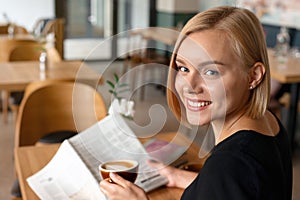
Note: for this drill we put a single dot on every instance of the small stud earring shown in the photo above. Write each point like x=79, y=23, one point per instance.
x=251, y=87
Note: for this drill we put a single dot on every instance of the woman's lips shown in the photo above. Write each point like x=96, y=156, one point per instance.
x=197, y=105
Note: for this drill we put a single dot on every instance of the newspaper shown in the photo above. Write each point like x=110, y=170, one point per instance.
x=73, y=171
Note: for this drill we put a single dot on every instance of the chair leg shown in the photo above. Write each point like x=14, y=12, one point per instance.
x=14, y=109
x=5, y=98
x=16, y=190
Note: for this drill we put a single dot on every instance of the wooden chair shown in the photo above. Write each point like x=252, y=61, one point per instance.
x=20, y=30
x=52, y=111
x=39, y=25
x=17, y=29
x=56, y=106
x=44, y=26
x=27, y=52
x=56, y=26
x=32, y=52
x=6, y=46
x=4, y=29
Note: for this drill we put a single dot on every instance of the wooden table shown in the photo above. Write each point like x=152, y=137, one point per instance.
x=288, y=72
x=19, y=36
x=166, y=36
x=15, y=76
x=30, y=159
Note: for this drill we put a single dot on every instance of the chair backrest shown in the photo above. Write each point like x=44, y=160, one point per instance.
x=20, y=30
x=56, y=26
x=33, y=52
x=53, y=55
x=39, y=25
x=7, y=45
x=17, y=29
x=26, y=52
x=51, y=106
x=4, y=29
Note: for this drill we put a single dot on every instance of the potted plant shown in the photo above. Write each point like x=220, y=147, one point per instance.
x=120, y=104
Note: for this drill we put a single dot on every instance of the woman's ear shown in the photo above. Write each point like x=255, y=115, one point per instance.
x=256, y=74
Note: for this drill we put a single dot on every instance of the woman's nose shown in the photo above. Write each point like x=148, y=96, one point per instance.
x=195, y=83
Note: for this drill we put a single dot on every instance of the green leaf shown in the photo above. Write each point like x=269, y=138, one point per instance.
x=116, y=77
x=111, y=84
x=124, y=90
x=123, y=85
x=111, y=91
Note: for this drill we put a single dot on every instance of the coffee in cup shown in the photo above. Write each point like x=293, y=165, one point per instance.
x=125, y=168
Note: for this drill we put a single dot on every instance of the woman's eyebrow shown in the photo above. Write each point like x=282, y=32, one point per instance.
x=210, y=62
x=179, y=60
x=203, y=63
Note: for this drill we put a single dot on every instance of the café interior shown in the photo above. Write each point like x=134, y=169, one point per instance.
x=60, y=52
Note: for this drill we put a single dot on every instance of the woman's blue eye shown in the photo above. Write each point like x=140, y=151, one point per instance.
x=182, y=69
x=211, y=72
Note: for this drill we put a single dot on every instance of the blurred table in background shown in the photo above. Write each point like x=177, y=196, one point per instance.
x=17, y=36
x=288, y=72
x=15, y=76
x=166, y=36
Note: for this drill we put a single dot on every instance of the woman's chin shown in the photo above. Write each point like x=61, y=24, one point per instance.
x=197, y=121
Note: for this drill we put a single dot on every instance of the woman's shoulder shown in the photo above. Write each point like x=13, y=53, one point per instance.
x=230, y=169
x=256, y=136
x=267, y=125
x=253, y=151
x=252, y=144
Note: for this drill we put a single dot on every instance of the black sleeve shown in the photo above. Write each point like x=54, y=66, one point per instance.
x=225, y=177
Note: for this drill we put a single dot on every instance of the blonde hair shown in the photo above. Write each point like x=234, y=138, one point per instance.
x=247, y=38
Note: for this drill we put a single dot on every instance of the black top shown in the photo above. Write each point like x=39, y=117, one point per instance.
x=246, y=165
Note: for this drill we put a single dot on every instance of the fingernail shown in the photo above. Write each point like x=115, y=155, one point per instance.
x=112, y=174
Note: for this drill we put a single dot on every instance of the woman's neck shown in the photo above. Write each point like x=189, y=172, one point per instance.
x=267, y=125
x=228, y=126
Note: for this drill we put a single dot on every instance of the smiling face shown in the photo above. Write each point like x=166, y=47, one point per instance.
x=211, y=82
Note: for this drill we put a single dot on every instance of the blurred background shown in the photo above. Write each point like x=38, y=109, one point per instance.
x=102, y=33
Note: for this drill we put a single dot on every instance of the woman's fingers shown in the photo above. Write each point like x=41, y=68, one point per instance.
x=119, y=180
x=121, y=189
x=107, y=187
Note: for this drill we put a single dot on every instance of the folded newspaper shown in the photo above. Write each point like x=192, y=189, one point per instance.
x=73, y=171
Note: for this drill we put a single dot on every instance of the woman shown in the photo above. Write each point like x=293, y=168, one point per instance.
x=219, y=75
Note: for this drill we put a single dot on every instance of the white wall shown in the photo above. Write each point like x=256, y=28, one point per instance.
x=140, y=13
x=177, y=6
x=26, y=12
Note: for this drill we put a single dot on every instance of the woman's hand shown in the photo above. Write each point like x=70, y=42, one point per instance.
x=176, y=177
x=121, y=189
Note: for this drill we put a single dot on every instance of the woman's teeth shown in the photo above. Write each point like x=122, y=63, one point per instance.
x=198, y=104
